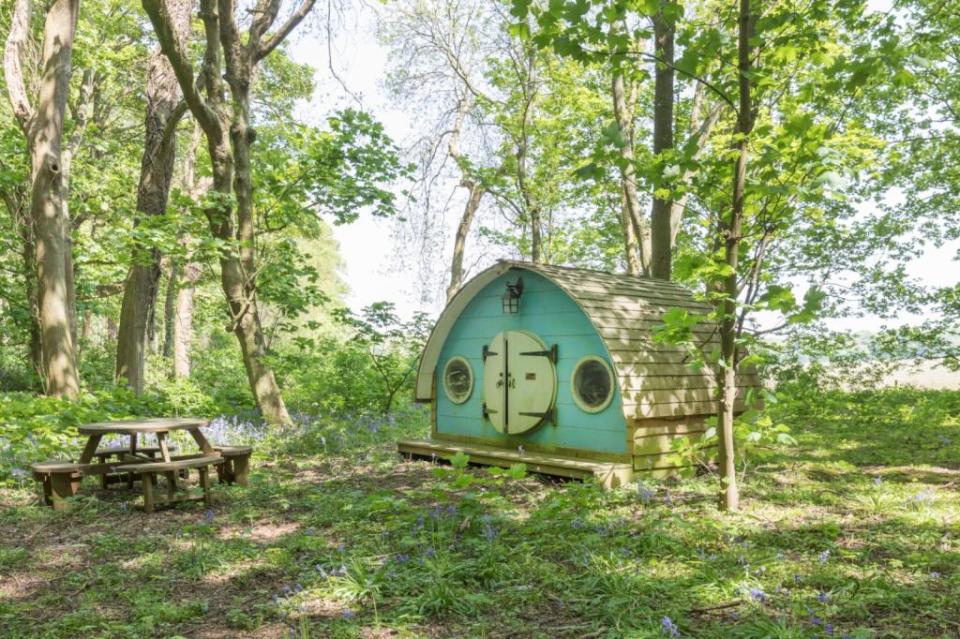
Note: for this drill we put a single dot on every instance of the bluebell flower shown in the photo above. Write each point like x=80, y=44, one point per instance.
x=822, y=597
x=644, y=493
x=877, y=480
x=489, y=532
x=341, y=548
x=828, y=628
x=208, y=516
x=669, y=628
x=346, y=613
x=758, y=595
x=429, y=552
x=824, y=556
x=935, y=575
x=401, y=558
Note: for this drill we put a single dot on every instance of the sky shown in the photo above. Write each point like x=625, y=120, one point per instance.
x=368, y=246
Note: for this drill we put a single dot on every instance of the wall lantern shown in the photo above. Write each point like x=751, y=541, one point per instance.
x=511, y=296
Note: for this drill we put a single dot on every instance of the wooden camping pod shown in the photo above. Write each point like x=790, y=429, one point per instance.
x=657, y=392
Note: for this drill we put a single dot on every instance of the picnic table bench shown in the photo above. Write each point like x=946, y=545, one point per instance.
x=61, y=479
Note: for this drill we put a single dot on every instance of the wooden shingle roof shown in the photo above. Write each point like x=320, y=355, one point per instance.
x=656, y=380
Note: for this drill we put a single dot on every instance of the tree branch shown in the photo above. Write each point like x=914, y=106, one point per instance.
x=162, y=23
x=280, y=34
x=13, y=64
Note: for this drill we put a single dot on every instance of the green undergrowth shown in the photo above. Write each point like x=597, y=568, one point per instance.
x=852, y=532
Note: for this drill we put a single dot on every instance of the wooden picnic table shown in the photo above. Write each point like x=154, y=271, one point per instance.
x=161, y=427
x=61, y=479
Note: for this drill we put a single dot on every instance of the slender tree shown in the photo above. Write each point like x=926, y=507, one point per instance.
x=230, y=60
x=661, y=236
x=164, y=109
x=42, y=123
x=730, y=229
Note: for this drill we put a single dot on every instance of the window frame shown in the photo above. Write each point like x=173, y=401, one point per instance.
x=577, y=399
x=446, y=388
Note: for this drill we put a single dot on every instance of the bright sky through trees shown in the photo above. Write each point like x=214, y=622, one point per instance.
x=368, y=246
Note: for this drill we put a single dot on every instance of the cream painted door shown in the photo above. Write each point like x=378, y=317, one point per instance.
x=519, y=381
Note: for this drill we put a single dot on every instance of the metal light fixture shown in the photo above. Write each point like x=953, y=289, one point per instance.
x=511, y=296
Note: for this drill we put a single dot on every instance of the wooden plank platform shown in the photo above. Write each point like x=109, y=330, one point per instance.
x=610, y=475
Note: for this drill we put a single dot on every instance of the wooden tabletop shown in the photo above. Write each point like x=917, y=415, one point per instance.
x=132, y=426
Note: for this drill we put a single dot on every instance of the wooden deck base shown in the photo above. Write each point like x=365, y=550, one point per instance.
x=610, y=475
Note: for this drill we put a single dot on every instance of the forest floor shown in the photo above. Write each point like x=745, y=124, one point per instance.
x=855, y=532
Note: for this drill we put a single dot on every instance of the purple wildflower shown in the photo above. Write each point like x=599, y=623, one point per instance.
x=669, y=628
x=758, y=595
x=822, y=597
x=824, y=556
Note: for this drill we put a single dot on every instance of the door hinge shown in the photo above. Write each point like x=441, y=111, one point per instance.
x=487, y=351
x=549, y=415
x=549, y=354
x=487, y=412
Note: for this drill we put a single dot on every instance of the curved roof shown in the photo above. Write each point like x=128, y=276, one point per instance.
x=655, y=379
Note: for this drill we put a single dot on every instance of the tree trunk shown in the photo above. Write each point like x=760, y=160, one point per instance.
x=81, y=111
x=636, y=229
x=631, y=245
x=169, y=308
x=463, y=229
x=700, y=128
x=660, y=214
x=15, y=201
x=137, y=310
x=729, y=495
x=530, y=204
x=182, y=321
x=47, y=207
x=230, y=159
x=238, y=275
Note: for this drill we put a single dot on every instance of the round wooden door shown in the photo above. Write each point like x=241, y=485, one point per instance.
x=519, y=381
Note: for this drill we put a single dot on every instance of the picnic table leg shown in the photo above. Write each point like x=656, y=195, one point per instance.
x=205, y=484
x=62, y=486
x=162, y=443
x=92, y=443
x=241, y=470
x=202, y=441
x=171, y=484
x=147, y=480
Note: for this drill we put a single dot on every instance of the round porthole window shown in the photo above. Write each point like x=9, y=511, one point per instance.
x=592, y=384
x=458, y=380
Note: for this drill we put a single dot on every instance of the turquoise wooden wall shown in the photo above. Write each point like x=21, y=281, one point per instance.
x=548, y=312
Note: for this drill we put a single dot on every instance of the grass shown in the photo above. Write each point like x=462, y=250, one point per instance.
x=854, y=532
